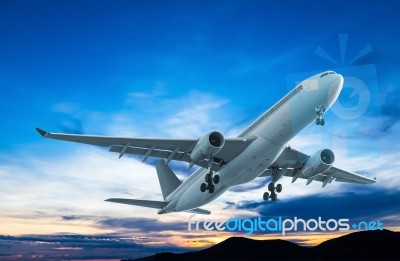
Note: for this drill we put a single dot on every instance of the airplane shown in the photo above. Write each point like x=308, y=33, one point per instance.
x=261, y=150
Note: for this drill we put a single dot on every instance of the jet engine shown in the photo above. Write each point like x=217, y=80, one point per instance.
x=208, y=146
x=319, y=162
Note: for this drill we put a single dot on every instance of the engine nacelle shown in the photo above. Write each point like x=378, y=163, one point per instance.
x=319, y=162
x=208, y=146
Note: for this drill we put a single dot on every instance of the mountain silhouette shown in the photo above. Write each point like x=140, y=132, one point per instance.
x=363, y=245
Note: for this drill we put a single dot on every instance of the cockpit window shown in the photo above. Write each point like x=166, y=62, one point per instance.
x=325, y=74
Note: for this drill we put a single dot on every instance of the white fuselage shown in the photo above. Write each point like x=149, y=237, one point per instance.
x=273, y=130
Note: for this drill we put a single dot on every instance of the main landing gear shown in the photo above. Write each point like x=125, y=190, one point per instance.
x=211, y=180
x=320, y=110
x=273, y=190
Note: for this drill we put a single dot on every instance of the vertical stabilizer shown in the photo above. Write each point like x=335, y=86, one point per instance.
x=167, y=178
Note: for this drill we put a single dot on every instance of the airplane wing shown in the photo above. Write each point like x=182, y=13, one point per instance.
x=291, y=161
x=169, y=149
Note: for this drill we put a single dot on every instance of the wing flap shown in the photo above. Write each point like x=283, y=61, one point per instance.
x=162, y=154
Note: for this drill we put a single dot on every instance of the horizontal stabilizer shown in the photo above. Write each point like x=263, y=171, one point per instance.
x=199, y=211
x=138, y=202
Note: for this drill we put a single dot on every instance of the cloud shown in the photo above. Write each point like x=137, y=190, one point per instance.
x=196, y=115
x=67, y=188
x=62, y=247
x=72, y=125
x=145, y=225
x=70, y=117
x=70, y=190
x=192, y=114
x=147, y=99
x=368, y=206
x=65, y=107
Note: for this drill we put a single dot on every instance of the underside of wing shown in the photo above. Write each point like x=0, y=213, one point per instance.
x=349, y=177
x=168, y=149
x=295, y=164
x=199, y=211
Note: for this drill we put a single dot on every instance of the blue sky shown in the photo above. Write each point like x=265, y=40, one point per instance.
x=94, y=52
x=181, y=69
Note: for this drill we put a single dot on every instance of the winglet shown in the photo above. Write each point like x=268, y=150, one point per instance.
x=41, y=132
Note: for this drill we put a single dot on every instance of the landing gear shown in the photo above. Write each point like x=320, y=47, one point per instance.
x=278, y=188
x=210, y=181
x=271, y=186
x=266, y=196
x=216, y=179
x=203, y=187
x=319, y=121
x=320, y=110
x=274, y=196
x=273, y=190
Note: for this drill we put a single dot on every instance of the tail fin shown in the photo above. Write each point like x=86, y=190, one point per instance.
x=168, y=180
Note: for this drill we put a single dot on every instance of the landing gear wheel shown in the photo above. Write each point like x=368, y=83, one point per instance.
x=320, y=110
x=211, y=188
x=210, y=182
x=266, y=196
x=279, y=188
x=274, y=196
x=216, y=179
x=271, y=186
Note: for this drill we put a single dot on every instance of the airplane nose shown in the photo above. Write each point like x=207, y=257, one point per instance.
x=334, y=88
x=337, y=82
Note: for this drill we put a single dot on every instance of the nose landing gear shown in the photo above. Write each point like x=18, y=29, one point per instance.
x=210, y=180
x=320, y=110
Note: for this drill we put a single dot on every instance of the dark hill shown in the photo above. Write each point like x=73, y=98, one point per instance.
x=365, y=245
